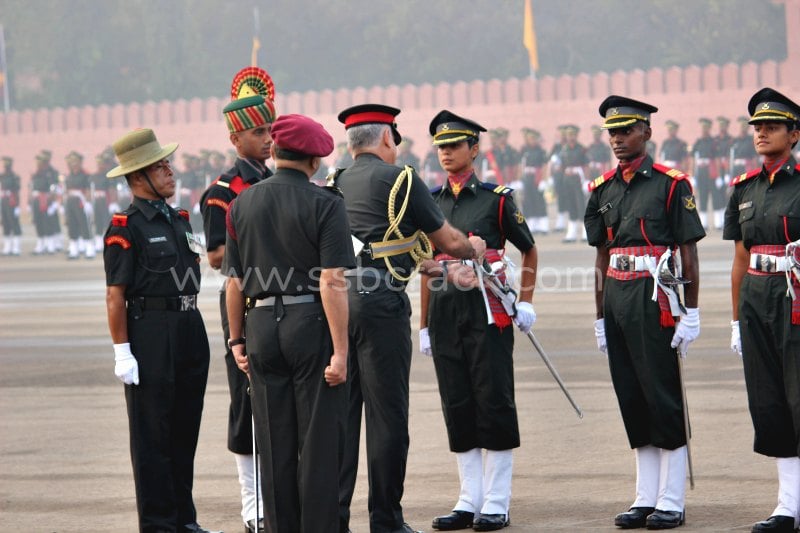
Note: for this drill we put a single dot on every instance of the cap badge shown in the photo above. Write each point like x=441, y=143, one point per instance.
x=446, y=127
x=615, y=111
x=765, y=106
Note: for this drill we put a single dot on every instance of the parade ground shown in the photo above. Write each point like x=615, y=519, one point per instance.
x=65, y=466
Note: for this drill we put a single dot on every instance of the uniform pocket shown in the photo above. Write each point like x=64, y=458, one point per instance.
x=161, y=256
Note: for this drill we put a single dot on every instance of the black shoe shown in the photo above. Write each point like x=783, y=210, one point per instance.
x=453, y=521
x=196, y=528
x=665, y=519
x=490, y=522
x=250, y=526
x=776, y=524
x=634, y=518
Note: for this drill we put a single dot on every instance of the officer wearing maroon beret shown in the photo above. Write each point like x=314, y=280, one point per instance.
x=380, y=328
x=287, y=247
x=763, y=220
x=249, y=117
x=636, y=213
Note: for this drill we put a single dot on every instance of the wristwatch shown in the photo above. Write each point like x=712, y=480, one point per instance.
x=235, y=342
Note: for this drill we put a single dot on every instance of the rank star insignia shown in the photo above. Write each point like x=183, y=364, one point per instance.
x=518, y=217
x=689, y=203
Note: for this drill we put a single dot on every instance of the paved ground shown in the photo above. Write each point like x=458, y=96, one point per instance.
x=64, y=463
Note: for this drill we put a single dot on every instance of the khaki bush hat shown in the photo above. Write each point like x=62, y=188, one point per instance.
x=136, y=150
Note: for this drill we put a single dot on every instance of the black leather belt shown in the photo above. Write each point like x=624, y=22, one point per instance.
x=164, y=303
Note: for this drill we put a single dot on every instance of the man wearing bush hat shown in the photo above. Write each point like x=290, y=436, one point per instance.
x=160, y=343
x=287, y=247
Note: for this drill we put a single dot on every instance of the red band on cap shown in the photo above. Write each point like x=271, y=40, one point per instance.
x=367, y=118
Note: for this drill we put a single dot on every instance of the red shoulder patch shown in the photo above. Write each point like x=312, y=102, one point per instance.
x=595, y=183
x=184, y=214
x=119, y=220
x=237, y=185
x=673, y=173
x=746, y=176
x=119, y=240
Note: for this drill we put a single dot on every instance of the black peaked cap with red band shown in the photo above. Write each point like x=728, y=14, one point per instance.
x=371, y=114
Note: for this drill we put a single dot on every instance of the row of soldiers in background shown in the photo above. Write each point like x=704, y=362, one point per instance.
x=87, y=200
x=561, y=174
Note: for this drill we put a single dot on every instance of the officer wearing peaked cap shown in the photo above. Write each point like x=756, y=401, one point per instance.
x=533, y=163
x=705, y=169
x=636, y=212
x=78, y=208
x=473, y=352
x=743, y=155
x=762, y=220
x=152, y=267
x=378, y=194
x=673, y=149
x=287, y=246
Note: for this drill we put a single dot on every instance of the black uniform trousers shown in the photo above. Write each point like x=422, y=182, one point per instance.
x=101, y=215
x=299, y=418
x=707, y=188
x=574, y=200
x=378, y=375
x=475, y=371
x=644, y=368
x=41, y=220
x=558, y=189
x=240, y=415
x=771, y=355
x=164, y=413
x=77, y=222
x=10, y=220
x=533, y=201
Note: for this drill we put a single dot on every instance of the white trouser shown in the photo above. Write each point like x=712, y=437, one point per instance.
x=660, y=478
x=73, y=249
x=7, y=246
x=485, y=481
x=788, y=487
x=244, y=464
x=15, y=245
x=719, y=218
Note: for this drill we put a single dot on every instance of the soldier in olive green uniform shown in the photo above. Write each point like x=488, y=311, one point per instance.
x=636, y=212
x=9, y=208
x=762, y=220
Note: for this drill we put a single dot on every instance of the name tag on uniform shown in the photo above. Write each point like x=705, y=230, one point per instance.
x=196, y=243
x=604, y=209
x=157, y=239
x=745, y=205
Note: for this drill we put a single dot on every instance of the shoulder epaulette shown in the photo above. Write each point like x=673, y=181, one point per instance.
x=673, y=173
x=437, y=189
x=184, y=214
x=598, y=181
x=746, y=176
x=502, y=190
x=120, y=220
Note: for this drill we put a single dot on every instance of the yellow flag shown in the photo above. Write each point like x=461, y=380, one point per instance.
x=254, y=53
x=529, y=37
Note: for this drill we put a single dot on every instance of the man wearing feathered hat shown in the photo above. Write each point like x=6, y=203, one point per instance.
x=249, y=117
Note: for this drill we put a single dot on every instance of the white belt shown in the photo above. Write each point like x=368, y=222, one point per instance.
x=574, y=170
x=769, y=263
x=703, y=161
x=629, y=263
x=286, y=299
x=75, y=193
x=740, y=162
x=670, y=163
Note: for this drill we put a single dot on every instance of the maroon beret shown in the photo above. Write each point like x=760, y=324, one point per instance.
x=301, y=134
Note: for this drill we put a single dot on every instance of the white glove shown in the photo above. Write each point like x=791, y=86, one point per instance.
x=52, y=208
x=425, y=342
x=687, y=330
x=113, y=207
x=88, y=209
x=600, y=334
x=196, y=208
x=16, y=211
x=525, y=318
x=719, y=182
x=542, y=186
x=126, y=367
x=736, y=338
